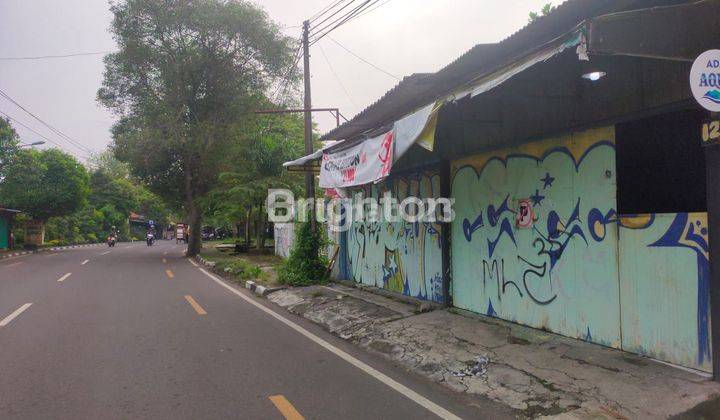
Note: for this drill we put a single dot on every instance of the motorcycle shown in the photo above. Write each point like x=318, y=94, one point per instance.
x=150, y=239
x=111, y=240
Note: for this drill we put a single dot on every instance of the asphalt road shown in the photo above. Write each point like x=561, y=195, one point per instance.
x=139, y=332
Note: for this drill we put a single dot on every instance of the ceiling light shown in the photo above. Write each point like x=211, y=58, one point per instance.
x=594, y=76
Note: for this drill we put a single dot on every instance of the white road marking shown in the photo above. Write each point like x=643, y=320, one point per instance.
x=84, y=262
x=402, y=389
x=105, y=253
x=63, y=278
x=13, y=264
x=194, y=263
x=8, y=319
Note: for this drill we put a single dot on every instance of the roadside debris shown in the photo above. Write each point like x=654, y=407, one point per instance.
x=478, y=369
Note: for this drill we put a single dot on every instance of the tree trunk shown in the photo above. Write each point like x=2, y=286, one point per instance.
x=248, y=216
x=195, y=238
x=260, y=233
x=194, y=217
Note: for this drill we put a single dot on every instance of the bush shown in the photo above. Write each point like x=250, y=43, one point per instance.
x=305, y=266
x=240, y=269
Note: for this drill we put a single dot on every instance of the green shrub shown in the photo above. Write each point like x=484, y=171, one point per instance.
x=305, y=266
x=54, y=242
x=240, y=269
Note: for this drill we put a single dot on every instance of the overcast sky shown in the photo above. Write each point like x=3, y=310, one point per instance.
x=402, y=37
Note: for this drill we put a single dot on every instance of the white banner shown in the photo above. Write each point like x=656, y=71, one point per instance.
x=363, y=163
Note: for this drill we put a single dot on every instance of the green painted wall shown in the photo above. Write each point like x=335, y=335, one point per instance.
x=664, y=287
x=639, y=283
x=561, y=273
x=4, y=226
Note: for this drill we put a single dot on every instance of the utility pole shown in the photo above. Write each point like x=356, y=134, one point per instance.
x=309, y=177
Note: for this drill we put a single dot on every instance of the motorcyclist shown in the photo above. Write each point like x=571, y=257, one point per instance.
x=112, y=239
x=150, y=236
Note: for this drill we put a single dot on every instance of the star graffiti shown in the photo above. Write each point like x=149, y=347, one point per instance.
x=547, y=181
x=537, y=199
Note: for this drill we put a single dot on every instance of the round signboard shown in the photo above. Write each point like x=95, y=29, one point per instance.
x=705, y=80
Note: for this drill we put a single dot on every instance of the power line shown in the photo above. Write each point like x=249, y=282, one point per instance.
x=363, y=60
x=324, y=10
x=331, y=16
x=336, y=76
x=44, y=137
x=374, y=8
x=77, y=144
x=43, y=57
x=319, y=33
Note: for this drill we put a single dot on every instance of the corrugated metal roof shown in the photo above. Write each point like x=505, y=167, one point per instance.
x=418, y=90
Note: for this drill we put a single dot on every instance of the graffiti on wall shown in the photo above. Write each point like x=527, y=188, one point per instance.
x=569, y=262
x=403, y=257
x=664, y=280
x=538, y=242
x=284, y=238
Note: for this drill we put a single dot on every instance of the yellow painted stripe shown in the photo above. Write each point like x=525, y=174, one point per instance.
x=285, y=408
x=169, y=273
x=199, y=309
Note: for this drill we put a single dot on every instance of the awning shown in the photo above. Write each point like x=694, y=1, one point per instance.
x=362, y=163
x=309, y=163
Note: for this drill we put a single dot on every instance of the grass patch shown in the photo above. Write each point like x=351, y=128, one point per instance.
x=241, y=267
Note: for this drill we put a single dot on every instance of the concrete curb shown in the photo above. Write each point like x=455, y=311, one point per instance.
x=259, y=290
x=55, y=248
x=262, y=291
x=422, y=305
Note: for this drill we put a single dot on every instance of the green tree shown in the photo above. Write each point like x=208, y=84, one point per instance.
x=256, y=166
x=546, y=10
x=8, y=145
x=45, y=183
x=184, y=80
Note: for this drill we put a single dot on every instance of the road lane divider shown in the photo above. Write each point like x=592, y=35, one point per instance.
x=84, y=262
x=390, y=382
x=285, y=408
x=8, y=319
x=169, y=274
x=63, y=278
x=199, y=309
x=105, y=253
x=13, y=264
x=164, y=261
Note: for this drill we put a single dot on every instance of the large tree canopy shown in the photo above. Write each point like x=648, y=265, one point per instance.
x=45, y=183
x=8, y=145
x=185, y=78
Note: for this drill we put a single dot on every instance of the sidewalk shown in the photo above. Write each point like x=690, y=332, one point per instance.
x=537, y=373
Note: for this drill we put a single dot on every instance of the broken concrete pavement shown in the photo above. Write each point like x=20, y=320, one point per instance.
x=537, y=373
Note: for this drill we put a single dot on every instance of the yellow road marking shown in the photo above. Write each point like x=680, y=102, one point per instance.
x=164, y=261
x=285, y=408
x=169, y=273
x=199, y=309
